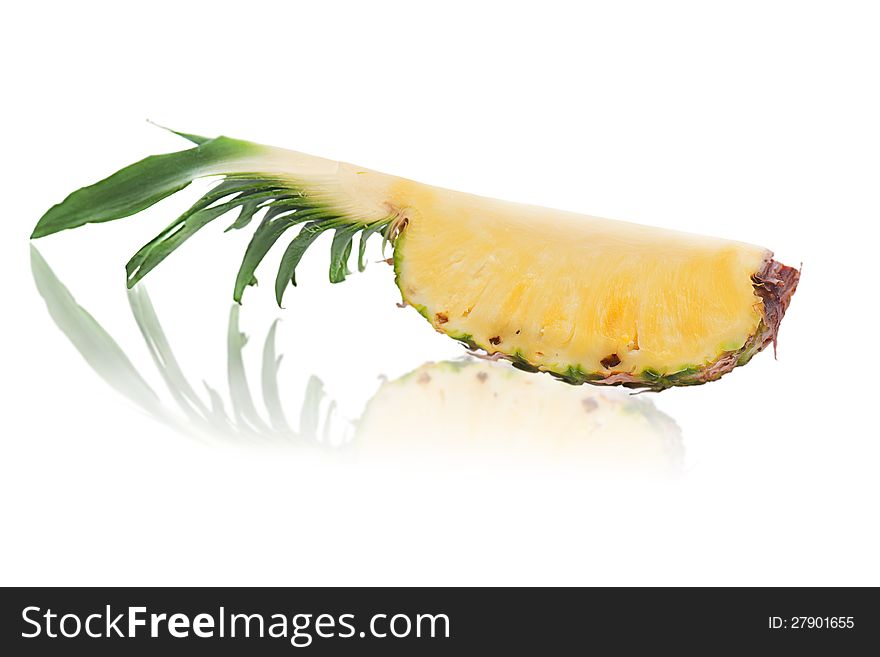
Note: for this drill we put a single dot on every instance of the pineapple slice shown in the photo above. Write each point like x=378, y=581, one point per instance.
x=585, y=299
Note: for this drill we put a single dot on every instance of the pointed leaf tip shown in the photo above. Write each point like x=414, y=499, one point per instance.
x=292, y=256
x=196, y=139
x=140, y=185
x=340, y=250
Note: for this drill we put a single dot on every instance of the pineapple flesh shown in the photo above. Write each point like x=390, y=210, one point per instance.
x=585, y=299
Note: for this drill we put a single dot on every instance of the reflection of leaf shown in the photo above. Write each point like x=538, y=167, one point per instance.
x=108, y=360
x=100, y=350
x=271, y=396
x=328, y=418
x=239, y=390
x=311, y=409
x=218, y=418
x=163, y=356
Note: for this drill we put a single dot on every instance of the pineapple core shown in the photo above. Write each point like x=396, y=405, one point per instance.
x=624, y=298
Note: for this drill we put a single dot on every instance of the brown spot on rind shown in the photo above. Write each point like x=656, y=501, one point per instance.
x=610, y=361
x=496, y=340
x=441, y=318
x=482, y=376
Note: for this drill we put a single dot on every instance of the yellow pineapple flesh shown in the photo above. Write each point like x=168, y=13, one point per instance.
x=572, y=294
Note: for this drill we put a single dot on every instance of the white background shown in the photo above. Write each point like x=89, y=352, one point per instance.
x=756, y=121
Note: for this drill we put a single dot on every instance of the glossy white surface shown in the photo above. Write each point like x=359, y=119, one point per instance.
x=756, y=124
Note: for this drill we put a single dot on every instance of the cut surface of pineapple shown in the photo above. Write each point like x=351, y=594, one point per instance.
x=576, y=295
x=583, y=298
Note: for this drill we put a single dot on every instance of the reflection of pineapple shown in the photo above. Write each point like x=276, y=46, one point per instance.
x=465, y=408
x=586, y=299
x=457, y=407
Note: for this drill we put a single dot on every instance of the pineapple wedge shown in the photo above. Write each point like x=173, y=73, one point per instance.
x=587, y=300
